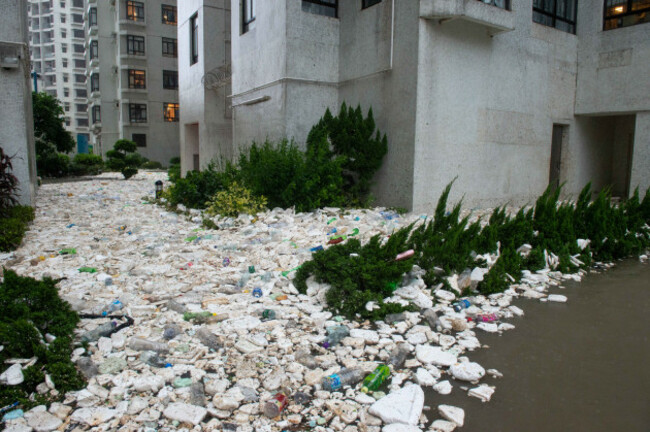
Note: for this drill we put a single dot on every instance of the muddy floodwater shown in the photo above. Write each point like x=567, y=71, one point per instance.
x=578, y=366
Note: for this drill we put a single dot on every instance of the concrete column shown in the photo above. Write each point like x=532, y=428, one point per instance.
x=641, y=158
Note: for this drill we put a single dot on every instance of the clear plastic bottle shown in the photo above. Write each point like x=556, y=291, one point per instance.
x=373, y=381
x=433, y=319
x=140, y=344
x=461, y=304
x=245, y=277
x=114, y=306
x=335, y=335
x=275, y=405
x=197, y=394
x=171, y=331
x=268, y=314
x=87, y=367
x=152, y=358
x=176, y=306
x=343, y=378
x=209, y=339
x=393, y=318
x=306, y=359
x=398, y=356
x=101, y=331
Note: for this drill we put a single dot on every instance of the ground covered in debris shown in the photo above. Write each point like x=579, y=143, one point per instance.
x=210, y=327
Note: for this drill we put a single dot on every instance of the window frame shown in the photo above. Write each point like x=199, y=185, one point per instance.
x=176, y=109
x=167, y=42
x=334, y=6
x=365, y=4
x=164, y=8
x=194, y=39
x=247, y=15
x=135, y=113
x=137, y=79
x=134, y=6
x=132, y=41
x=94, y=82
x=93, y=49
x=137, y=141
x=96, y=114
x=166, y=79
x=555, y=17
x=628, y=12
x=92, y=17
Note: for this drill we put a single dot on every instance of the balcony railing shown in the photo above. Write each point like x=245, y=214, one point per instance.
x=493, y=14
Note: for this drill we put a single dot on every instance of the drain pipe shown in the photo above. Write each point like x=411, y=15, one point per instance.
x=392, y=33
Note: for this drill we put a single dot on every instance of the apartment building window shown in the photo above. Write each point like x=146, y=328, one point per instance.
x=97, y=114
x=139, y=139
x=78, y=3
x=168, y=14
x=194, y=39
x=560, y=14
x=170, y=80
x=64, y=63
x=92, y=17
x=62, y=19
x=502, y=4
x=78, y=48
x=82, y=122
x=134, y=10
x=64, y=34
x=77, y=18
x=137, y=113
x=94, y=82
x=137, y=79
x=169, y=47
x=135, y=45
x=67, y=121
x=79, y=78
x=64, y=48
x=66, y=78
x=81, y=108
x=81, y=93
x=624, y=13
x=248, y=15
x=94, y=49
x=66, y=107
x=66, y=92
x=79, y=64
x=170, y=112
x=321, y=7
x=78, y=34
x=368, y=3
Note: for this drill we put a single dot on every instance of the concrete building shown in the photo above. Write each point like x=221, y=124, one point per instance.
x=57, y=38
x=17, y=124
x=133, y=76
x=505, y=96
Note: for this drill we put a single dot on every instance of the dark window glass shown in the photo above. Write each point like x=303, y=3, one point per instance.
x=94, y=49
x=134, y=10
x=170, y=79
x=79, y=78
x=137, y=113
x=368, y=3
x=194, y=39
x=321, y=7
x=79, y=34
x=92, y=17
x=139, y=139
x=248, y=15
x=79, y=63
x=83, y=122
x=78, y=48
x=81, y=108
x=137, y=79
x=560, y=14
x=624, y=13
x=169, y=14
x=97, y=114
x=135, y=45
x=81, y=93
x=170, y=112
x=94, y=82
x=77, y=18
x=169, y=47
x=78, y=3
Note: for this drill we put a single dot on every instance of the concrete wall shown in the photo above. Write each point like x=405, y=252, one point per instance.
x=17, y=125
x=641, y=159
x=203, y=107
x=486, y=108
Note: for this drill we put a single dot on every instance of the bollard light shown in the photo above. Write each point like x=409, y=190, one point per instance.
x=159, y=188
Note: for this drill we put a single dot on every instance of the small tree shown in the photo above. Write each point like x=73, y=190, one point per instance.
x=124, y=158
x=8, y=183
x=49, y=120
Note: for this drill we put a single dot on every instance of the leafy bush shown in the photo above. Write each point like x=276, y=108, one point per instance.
x=198, y=187
x=49, y=121
x=52, y=164
x=31, y=309
x=174, y=171
x=13, y=224
x=124, y=158
x=351, y=136
x=8, y=183
x=234, y=200
x=151, y=165
x=87, y=164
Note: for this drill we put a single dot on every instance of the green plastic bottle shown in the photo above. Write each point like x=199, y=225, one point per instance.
x=373, y=381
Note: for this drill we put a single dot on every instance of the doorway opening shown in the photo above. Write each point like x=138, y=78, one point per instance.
x=560, y=134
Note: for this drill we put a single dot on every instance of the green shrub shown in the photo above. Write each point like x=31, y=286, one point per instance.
x=198, y=187
x=13, y=225
x=234, y=200
x=53, y=164
x=31, y=309
x=124, y=158
x=8, y=183
x=86, y=164
x=151, y=165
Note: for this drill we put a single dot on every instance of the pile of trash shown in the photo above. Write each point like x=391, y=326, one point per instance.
x=197, y=329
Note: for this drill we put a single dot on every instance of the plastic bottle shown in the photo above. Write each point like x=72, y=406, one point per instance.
x=208, y=339
x=373, y=381
x=275, y=405
x=205, y=317
x=152, y=358
x=336, y=335
x=301, y=398
x=197, y=394
x=393, y=318
x=101, y=331
x=87, y=367
x=176, y=306
x=343, y=378
x=433, y=319
x=268, y=314
x=461, y=304
x=243, y=280
x=251, y=269
x=306, y=359
x=171, y=331
x=140, y=344
x=257, y=292
x=112, y=307
x=398, y=356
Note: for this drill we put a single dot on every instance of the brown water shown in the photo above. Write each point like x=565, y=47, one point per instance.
x=578, y=366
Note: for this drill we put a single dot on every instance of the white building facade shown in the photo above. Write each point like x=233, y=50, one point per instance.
x=17, y=124
x=131, y=50
x=505, y=96
x=57, y=39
